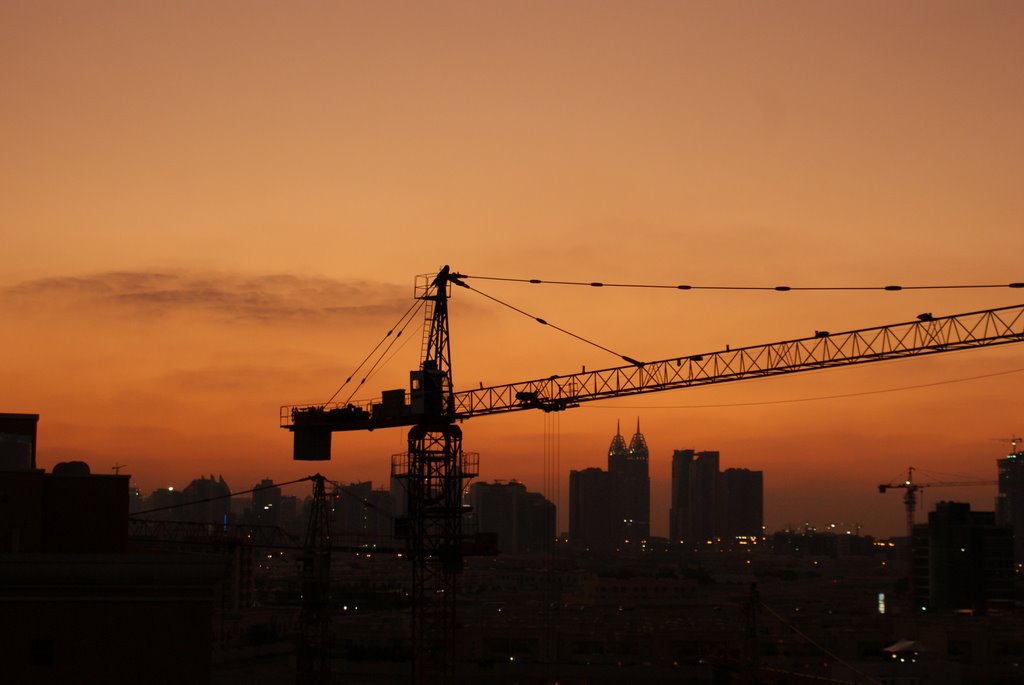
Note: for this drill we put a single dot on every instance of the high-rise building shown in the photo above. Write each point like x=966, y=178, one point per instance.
x=206, y=501
x=591, y=519
x=1010, y=500
x=164, y=504
x=708, y=504
x=963, y=560
x=740, y=503
x=362, y=515
x=679, y=528
x=523, y=521
x=631, y=483
x=266, y=503
x=703, y=496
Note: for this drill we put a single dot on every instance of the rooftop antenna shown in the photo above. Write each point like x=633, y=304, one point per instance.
x=116, y=468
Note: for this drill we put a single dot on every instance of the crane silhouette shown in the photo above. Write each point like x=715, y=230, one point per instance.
x=435, y=469
x=1013, y=443
x=912, y=488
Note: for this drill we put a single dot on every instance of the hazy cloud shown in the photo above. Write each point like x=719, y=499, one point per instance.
x=219, y=295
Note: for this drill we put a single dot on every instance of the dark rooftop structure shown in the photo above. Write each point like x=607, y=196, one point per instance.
x=18, y=441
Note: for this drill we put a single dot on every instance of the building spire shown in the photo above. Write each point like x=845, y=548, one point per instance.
x=618, y=449
x=638, y=445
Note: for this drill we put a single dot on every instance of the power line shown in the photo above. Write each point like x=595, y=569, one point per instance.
x=362, y=500
x=220, y=497
x=775, y=288
x=823, y=650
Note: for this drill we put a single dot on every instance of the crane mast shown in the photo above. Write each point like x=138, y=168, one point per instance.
x=433, y=471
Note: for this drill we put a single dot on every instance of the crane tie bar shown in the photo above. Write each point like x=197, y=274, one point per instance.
x=776, y=288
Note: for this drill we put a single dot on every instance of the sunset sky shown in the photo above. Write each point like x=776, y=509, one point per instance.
x=210, y=209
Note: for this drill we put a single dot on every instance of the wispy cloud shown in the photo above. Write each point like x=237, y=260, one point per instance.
x=219, y=295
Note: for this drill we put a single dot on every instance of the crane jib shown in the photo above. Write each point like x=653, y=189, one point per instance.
x=929, y=335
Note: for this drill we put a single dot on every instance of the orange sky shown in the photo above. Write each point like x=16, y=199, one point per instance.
x=210, y=209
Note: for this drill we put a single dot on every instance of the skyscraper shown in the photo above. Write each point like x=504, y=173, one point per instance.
x=1010, y=500
x=631, y=486
x=590, y=516
x=703, y=496
x=362, y=515
x=708, y=504
x=741, y=503
x=206, y=501
x=523, y=521
x=679, y=527
x=963, y=559
x=266, y=503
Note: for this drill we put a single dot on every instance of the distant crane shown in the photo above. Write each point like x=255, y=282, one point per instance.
x=910, y=496
x=1013, y=443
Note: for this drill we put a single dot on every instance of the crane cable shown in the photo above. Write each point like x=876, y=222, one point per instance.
x=380, y=360
x=552, y=490
x=809, y=639
x=408, y=311
x=940, y=475
x=220, y=497
x=405, y=341
x=776, y=288
x=344, y=488
x=407, y=318
x=543, y=322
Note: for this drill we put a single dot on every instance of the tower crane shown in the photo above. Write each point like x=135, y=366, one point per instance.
x=1013, y=443
x=910, y=496
x=435, y=468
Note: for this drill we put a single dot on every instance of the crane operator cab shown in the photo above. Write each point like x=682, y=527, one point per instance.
x=428, y=390
x=429, y=395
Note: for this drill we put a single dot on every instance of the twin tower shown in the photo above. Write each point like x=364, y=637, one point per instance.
x=610, y=509
x=631, y=480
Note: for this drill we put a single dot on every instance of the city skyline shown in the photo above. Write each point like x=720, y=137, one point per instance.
x=201, y=234
x=224, y=580
x=981, y=498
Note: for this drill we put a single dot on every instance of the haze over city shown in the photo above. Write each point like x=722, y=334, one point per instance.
x=212, y=210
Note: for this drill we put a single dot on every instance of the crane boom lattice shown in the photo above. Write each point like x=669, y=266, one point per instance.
x=896, y=341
